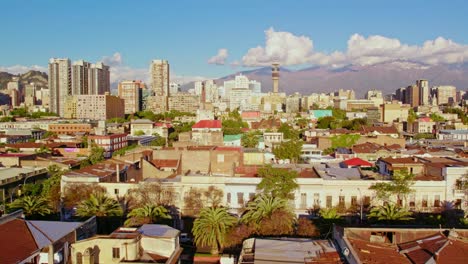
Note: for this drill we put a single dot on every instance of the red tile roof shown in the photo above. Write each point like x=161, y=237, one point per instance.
x=250, y=114
x=357, y=162
x=17, y=242
x=380, y=130
x=208, y=124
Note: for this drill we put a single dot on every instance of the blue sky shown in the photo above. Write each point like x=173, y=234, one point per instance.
x=189, y=33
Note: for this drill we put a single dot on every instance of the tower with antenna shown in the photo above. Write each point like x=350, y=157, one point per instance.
x=275, y=76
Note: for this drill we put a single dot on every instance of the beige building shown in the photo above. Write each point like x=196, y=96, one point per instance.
x=97, y=107
x=184, y=102
x=446, y=94
x=60, y=84
x=395, y=112
x=158, y=101
x=131, y=92
x=147, y=244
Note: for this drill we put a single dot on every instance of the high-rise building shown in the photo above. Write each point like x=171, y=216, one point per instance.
x=131, y=92
x=99, y=79
x=80, y=77
x=174, y=88
x=275, y=76
x=13, y=84
x=98, y=107
x=446, y=94
x=184, y=102
x=158, y=101
x=255, y=86
x=60, y=84
x=160, y=77
x=375, y=96
x=412, y=95
x=30, y=94
x=424, y=92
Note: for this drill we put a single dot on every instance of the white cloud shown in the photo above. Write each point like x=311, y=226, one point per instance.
x=17, y=69
x=114, y=60
x=289, y=49
x=220, y=58
x=283, y=47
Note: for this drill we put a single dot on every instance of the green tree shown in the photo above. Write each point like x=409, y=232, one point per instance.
x=263, y=206
x=329, y=213
x=48, y=134
x=327, y=122
x=249, y=140
x=148, y=214
x=344, y=140
x=437, y=118
x=279, y=223
x=158, y=142
x=32, y=205
x=139, y=133
x=288, y=131
x=211, y=227
x=412, y=116
x=399, y=186
x=75, y=193
x=390, y=212
x=96, y=155
x=277, y=182
x=289, y=150
x=99, y=204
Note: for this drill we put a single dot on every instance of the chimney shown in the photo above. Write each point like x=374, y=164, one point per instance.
x=117, y=171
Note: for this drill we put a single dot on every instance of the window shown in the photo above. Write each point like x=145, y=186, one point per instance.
x=412, y=201
x=399, y=201
x=240, y=198
x=116, y=191
x=220, y=158
x=437, y=201
x=116, y=253
x=341, y=202
x=366, y=202
x=228, y=198
x=424, y=201
x=354, y=201
x=316, y=199
x=251, y=196
x=303, y=200
x=329, y=201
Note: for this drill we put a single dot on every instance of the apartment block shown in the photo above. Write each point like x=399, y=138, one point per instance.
x=131, y=92
x=99, y=107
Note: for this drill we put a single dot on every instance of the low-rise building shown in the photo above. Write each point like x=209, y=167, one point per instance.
x=109, y=143
x=147, y=244
x=99, y=107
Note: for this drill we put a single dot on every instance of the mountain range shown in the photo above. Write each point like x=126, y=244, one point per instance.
x=385, y=76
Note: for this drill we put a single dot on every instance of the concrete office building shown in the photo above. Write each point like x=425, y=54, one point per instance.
x=60, y=84
x=99, y=107
x=445, y=94
x=275, y=76
x=158, y=101
x=423, y=86
x=131, y=92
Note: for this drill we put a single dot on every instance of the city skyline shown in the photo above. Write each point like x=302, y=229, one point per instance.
x=298, y=35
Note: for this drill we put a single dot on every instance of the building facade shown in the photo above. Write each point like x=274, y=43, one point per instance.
x=99, y=107
x=60, y=84
x=132, y=94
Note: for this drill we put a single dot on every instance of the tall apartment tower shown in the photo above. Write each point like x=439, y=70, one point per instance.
x=60, y=84
x=159, y=100
x=412, y=95
x=132, y=93
x=80, y=77
x=275, y=76
x=160, y=77
x=424, y=92
x=99, y=79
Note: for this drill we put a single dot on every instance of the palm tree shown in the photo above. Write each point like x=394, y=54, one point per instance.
x=263, y=207
x=99, y=204
x=390, y=212
x=32, y=205
x=329, y=213
x=148, y=214
x=211, y=227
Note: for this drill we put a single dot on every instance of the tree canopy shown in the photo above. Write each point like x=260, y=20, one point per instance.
x=399, y=186
x=289, y=150
x=249, y=140
x=277, y=182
